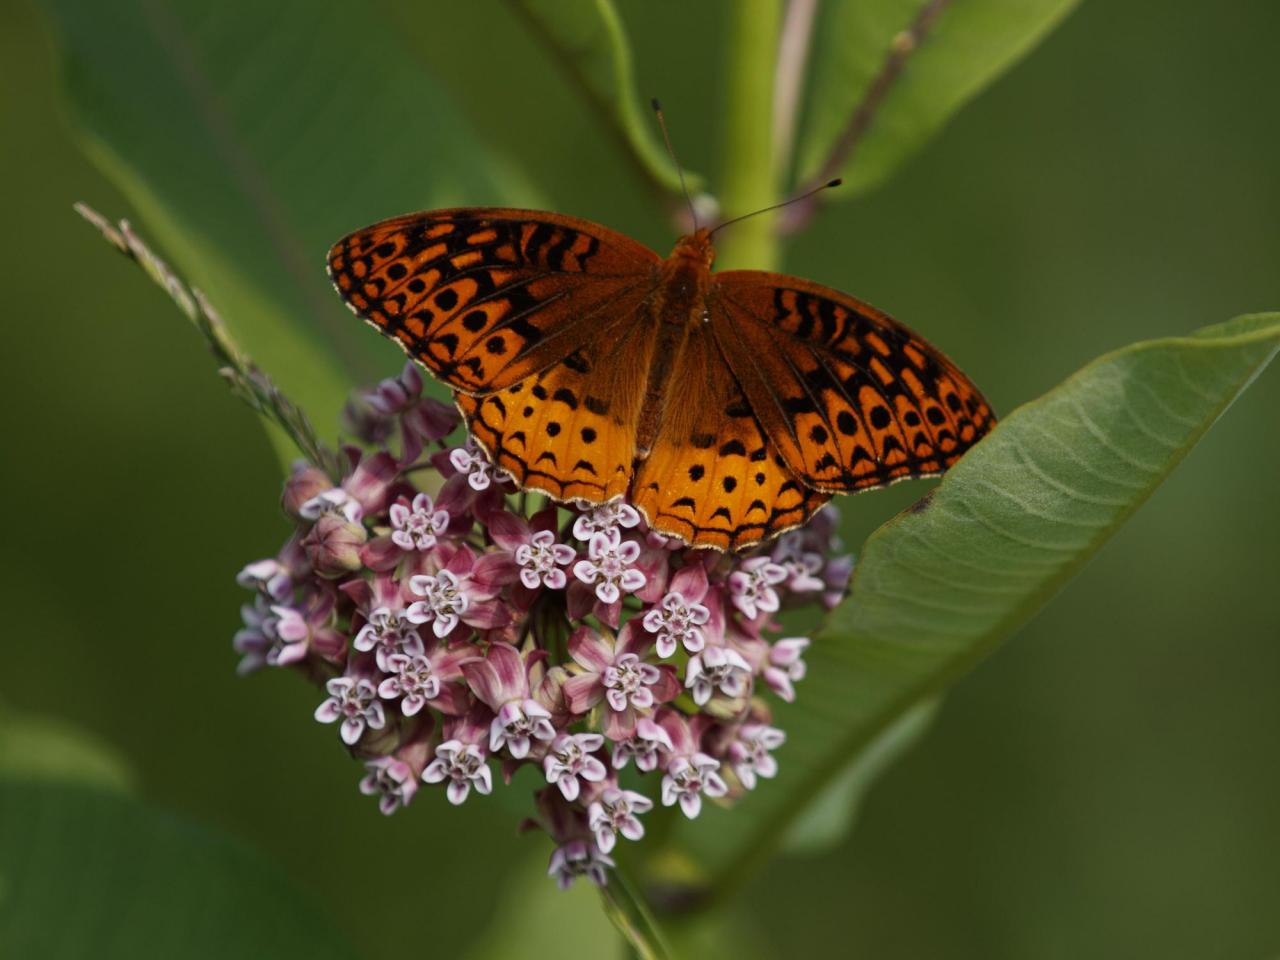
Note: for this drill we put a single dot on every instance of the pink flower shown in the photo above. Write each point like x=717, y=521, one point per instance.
x=533, y=548
x=269, y=576
x=463, y=592
x=793, y=552
x=501, y=680
x=752, y=586
x=570, y=760
x=387, y=629
x=471, y=461
x=717, y=668
x=615, y=812
x=679, y=618
x=392, y=781
x=464, y=766
x=610, y=567
x=613, y=671
x=363, y=491
x=689, y=774
x=750, y=752
x=608, y=518
x=354, y=701
x=578, y=858
x=462, y=759
x=427, y=679
x=646, y=745
x=785, y=666
x=416, y=526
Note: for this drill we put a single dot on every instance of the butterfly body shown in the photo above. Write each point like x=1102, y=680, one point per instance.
x=727, y=406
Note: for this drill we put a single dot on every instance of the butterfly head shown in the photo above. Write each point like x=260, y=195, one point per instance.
x=697, y=247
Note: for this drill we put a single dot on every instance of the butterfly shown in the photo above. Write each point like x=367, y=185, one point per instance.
x=726, y=407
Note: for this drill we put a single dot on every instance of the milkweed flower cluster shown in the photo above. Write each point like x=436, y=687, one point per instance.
x=456, y=636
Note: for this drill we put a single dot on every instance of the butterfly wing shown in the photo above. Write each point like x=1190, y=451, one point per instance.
x=851, y=398
x=570, y=430
x=486, y=297
x=712, y=478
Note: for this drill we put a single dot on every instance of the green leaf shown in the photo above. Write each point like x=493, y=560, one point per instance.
x=248, y=137
x=589, y=40
x=829, y=817
x=963, y=50
x=46, y=748
x=943, y=584
x=89, y=874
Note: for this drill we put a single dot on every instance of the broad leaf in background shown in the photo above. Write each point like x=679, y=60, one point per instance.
x=943, y=584
x=89, y=874
x=248, y=137
x=965, y=49
x=49, y=748
x=590, y=41
x=539, y=920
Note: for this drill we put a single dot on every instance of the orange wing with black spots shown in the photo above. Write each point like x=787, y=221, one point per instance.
x=570, y=431
x=712, y=478
x=851, y=398
x=486, y=297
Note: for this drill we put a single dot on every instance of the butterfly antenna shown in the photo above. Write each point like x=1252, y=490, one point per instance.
x=666, y=138
x=785, y=203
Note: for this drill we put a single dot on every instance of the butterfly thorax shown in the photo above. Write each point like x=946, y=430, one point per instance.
x=678, y=305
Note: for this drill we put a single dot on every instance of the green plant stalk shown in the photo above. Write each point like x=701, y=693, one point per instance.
x=749, y=180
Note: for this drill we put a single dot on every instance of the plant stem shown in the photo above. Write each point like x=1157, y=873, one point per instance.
x=903, y=45
x=628, y=912
x=793, y=60
x=749, y=179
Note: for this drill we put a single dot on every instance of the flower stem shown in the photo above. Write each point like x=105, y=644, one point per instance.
x=633, y=919
x=749, y=179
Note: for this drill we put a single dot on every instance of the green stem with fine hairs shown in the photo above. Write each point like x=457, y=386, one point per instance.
x=749, y=180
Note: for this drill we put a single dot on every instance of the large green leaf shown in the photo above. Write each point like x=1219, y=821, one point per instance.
x=87, y=874
x=943, y=584
x=965, y=48
x=48, y=748
x=250, y=136
x=589, y=40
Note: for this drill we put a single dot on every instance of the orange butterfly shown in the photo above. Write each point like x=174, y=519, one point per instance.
x=727, y=407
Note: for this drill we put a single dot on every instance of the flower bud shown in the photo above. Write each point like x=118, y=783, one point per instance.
x=305, y=482
x=333, y=545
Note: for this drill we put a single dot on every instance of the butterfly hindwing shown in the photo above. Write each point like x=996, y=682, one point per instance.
x=570, y=431
x=852, y=399
x=486, y=297
x=712, y=477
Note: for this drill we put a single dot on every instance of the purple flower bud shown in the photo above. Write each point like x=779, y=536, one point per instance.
x=304, y=484
x=333, y=545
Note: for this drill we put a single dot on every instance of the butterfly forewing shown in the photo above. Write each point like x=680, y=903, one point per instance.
x=487, y=297
x=852, y=399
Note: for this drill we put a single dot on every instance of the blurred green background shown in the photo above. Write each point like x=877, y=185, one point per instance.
x=1107, y=785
